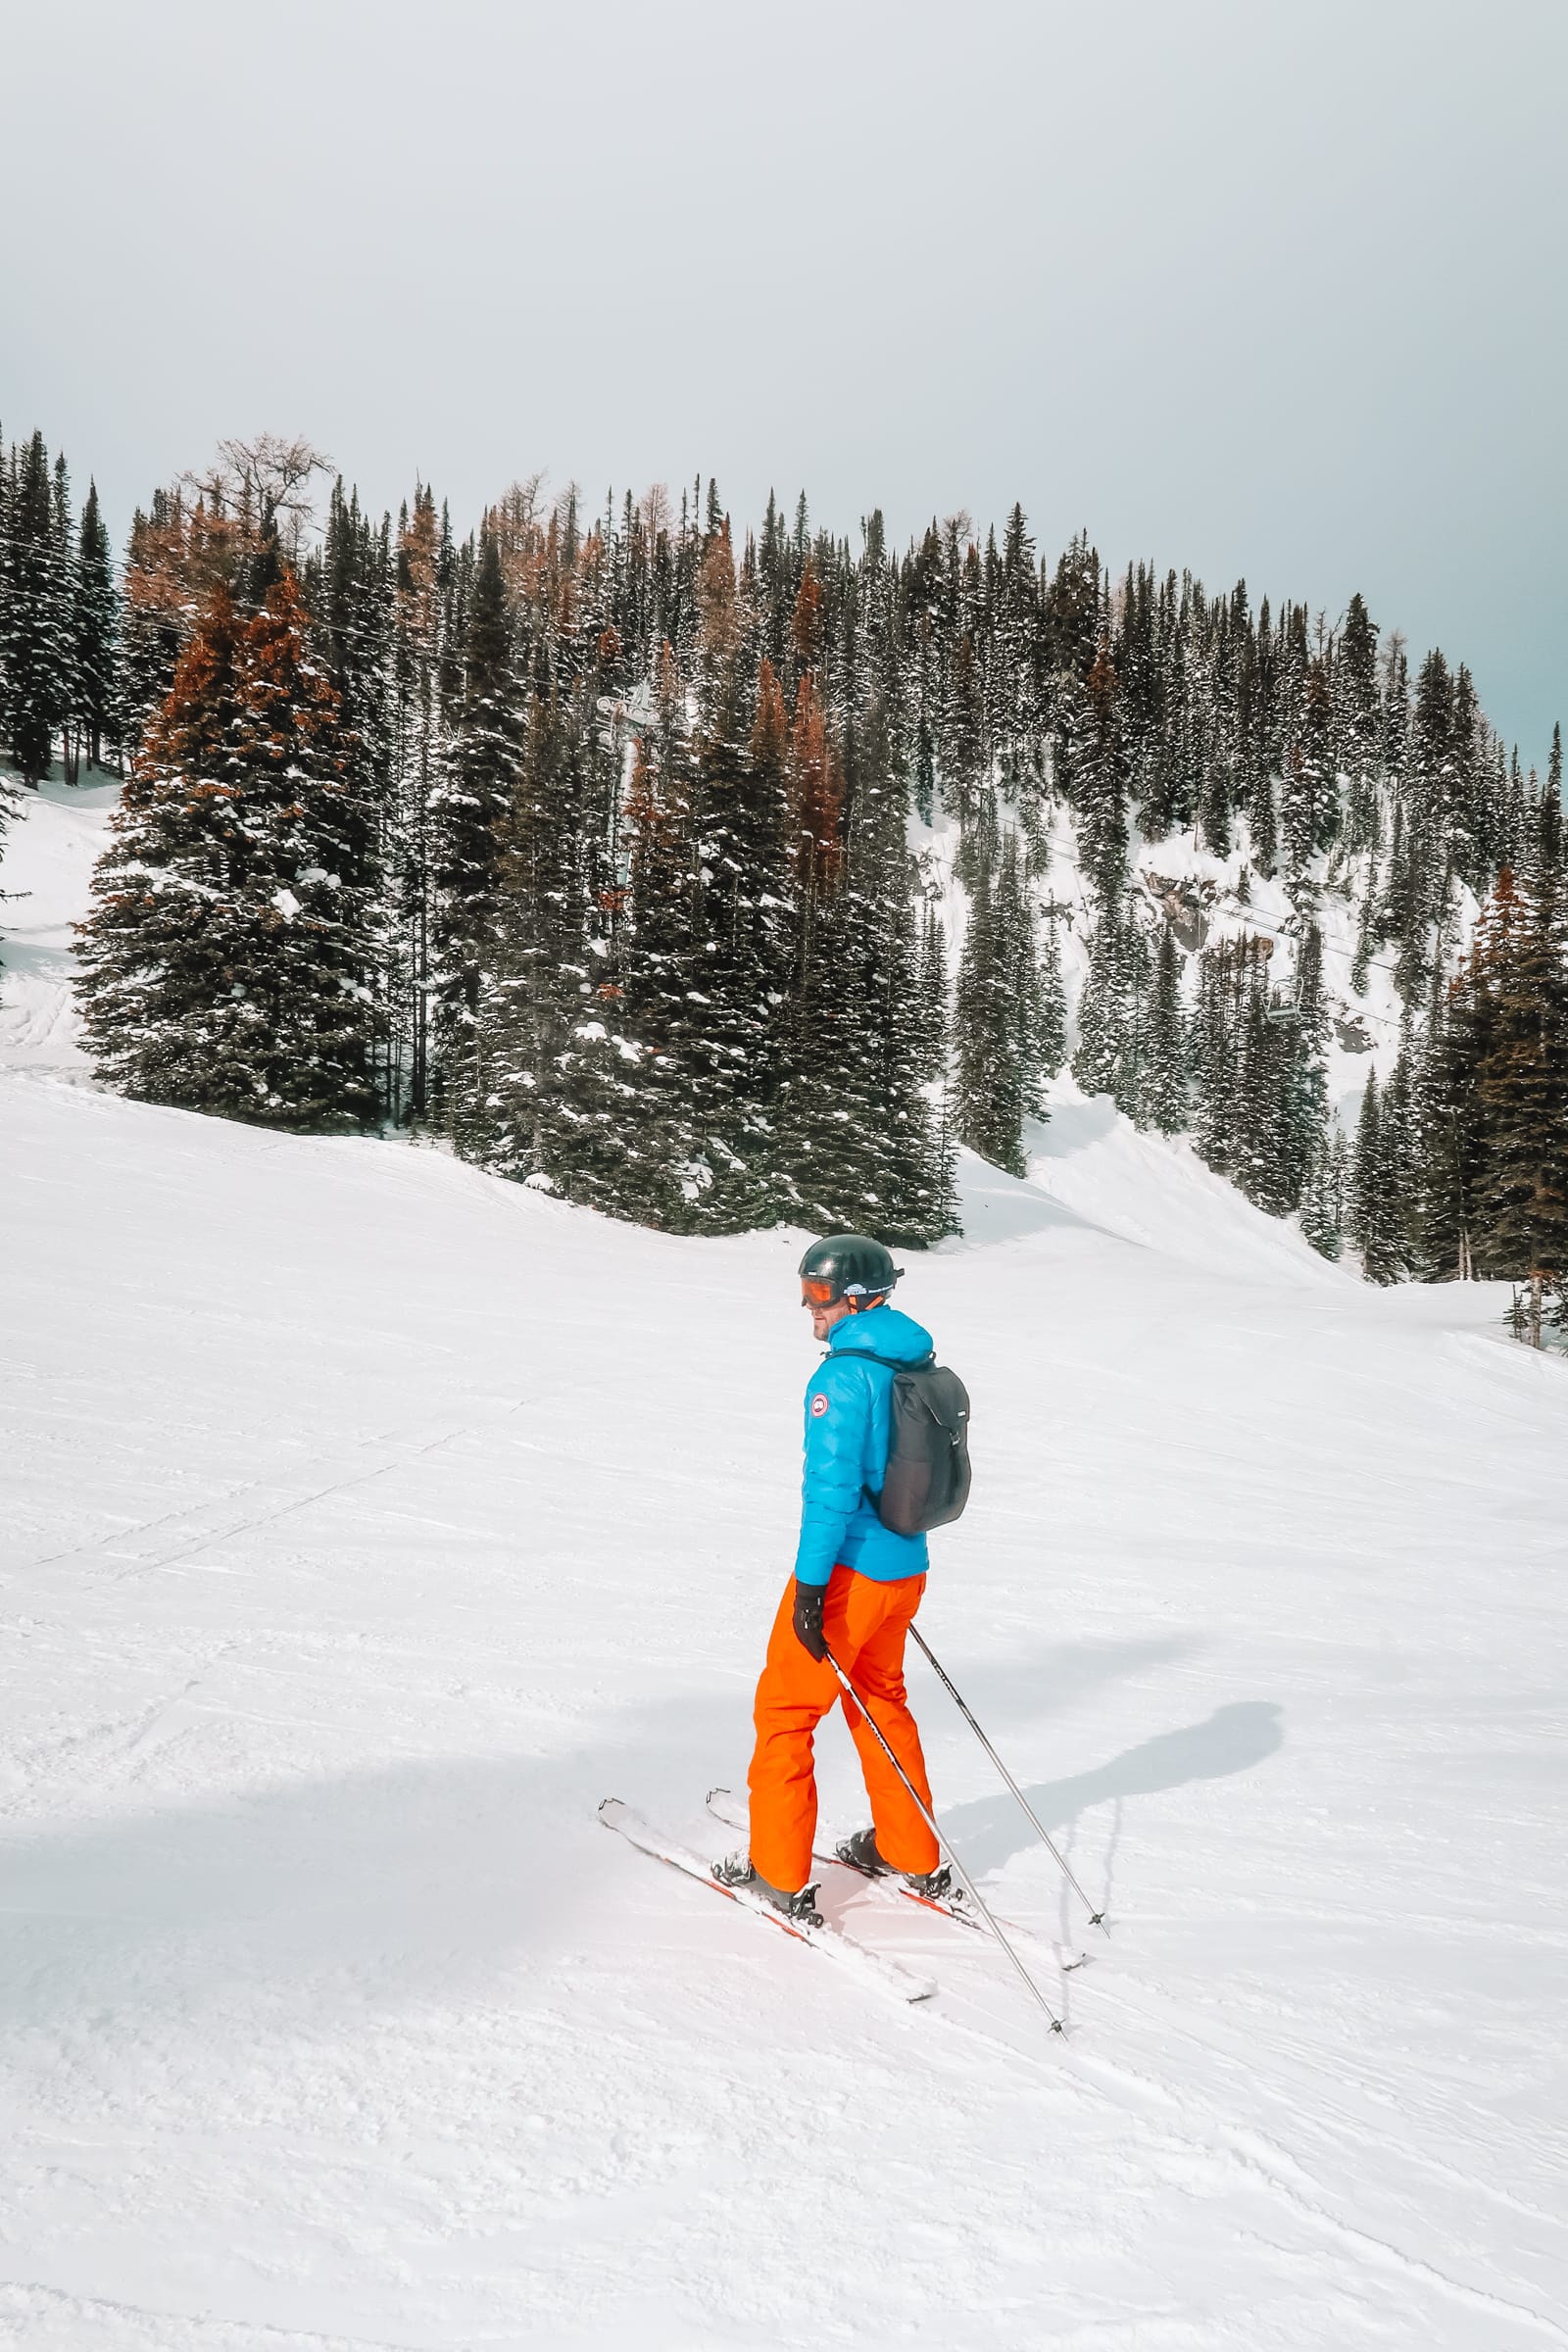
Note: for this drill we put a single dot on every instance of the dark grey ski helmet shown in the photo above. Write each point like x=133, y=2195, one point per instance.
x=847, y=1265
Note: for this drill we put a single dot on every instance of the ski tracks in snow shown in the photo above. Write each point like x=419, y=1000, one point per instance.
x=1206, y=2146
x=173, y=1535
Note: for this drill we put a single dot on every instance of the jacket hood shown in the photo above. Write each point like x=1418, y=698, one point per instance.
x=882, y=1331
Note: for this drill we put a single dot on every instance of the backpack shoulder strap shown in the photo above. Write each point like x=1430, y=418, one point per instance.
x=889, y=1363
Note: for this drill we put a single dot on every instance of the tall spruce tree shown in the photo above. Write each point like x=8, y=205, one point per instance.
x=226, y=959
x=1321, y=1213
x=1053, y=1028
x=36, y=610
x=1521, y=963
x=989, y=1083
x=742, y=900
x=1448, y=1128
x=1164, y=1086
x=1375, y=1223
x=95, y=621
x=1101, y=1012
x=470, y=803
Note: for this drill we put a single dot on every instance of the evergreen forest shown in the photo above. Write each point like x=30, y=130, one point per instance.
x=714, y=877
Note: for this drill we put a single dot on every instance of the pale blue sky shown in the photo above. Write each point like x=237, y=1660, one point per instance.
x=1272, y=291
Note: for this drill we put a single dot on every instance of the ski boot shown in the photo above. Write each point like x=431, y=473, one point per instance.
x=738, y=1871
x=860, y=1852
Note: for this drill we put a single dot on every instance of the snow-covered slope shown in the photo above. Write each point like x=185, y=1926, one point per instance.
x=48, y=859
x=368, y=1520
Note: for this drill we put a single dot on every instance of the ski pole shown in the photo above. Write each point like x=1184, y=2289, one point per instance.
x=1097, y=1919
x=850, y=1691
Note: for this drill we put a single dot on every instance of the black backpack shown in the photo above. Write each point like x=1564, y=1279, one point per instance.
x=927, y=1481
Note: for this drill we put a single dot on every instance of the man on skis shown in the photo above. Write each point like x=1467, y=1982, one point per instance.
x=855, y=1588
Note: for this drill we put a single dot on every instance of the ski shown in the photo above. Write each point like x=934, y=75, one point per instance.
x=725, y=1808
x=870, y=1966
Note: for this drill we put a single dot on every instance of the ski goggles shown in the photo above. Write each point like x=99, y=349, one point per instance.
x=817, y=1294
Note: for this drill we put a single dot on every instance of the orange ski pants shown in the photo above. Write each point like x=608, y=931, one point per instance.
x=865, y=1623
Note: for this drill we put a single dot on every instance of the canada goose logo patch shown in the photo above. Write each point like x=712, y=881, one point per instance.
x=818, y=1405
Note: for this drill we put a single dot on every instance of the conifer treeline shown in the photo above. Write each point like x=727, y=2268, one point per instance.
x=59, y=607
x=586, y=840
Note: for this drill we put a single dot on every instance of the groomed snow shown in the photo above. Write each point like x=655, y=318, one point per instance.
x=368, y=1521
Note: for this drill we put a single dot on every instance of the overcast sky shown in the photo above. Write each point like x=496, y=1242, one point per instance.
x=1270, y=291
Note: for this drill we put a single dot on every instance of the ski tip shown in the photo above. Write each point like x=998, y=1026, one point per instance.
x=713, y=1794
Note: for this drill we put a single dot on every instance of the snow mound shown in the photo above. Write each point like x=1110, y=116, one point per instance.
x=1154, y=1190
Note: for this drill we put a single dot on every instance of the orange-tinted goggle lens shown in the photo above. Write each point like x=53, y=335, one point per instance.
x=816, y=1293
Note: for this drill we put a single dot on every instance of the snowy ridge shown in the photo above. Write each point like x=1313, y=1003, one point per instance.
x=368, y=1520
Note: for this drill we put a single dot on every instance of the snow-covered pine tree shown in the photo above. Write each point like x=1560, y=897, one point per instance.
x=932, y=1022
x=907, y=1183
x=1309, y=799
x=417, y=754
x=1447, y=1129
x=1096, y=1056
x=742, y=904
x=1375, y=1223
x=1338, y=1176
x=1260, y=1144
x=1032, y=1035
x=1357, y=727
x=225, y=958
x=1320, y=1214
x=1052, y=1001
x=35, y=612
x=1164, y=1088
x=1091, y=768
x=987, y=1091
x=1234, y=1067
x=473, y=799
x=1017, y=634
x=663, y=968
x=157, y=613
x=565, y=1103
x=1521, y=964
x=95, y=620
x=64, y=588
x=1301, y=1047
x=1137, y=1002
x=351, y=596
x=1432, y=788
x=858, y=1144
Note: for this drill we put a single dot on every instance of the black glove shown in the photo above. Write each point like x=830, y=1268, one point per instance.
x=809, y=1600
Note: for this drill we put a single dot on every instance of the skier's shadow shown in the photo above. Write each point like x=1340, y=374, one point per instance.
x=336, y=1891
x=989, y=1832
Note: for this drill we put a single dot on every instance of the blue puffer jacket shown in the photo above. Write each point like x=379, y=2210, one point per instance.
x=846, y=1414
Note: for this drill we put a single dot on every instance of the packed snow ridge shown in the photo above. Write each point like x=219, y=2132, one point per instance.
x=368, y=1520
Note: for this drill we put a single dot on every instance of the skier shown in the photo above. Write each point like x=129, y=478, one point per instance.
x=855, y=1588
